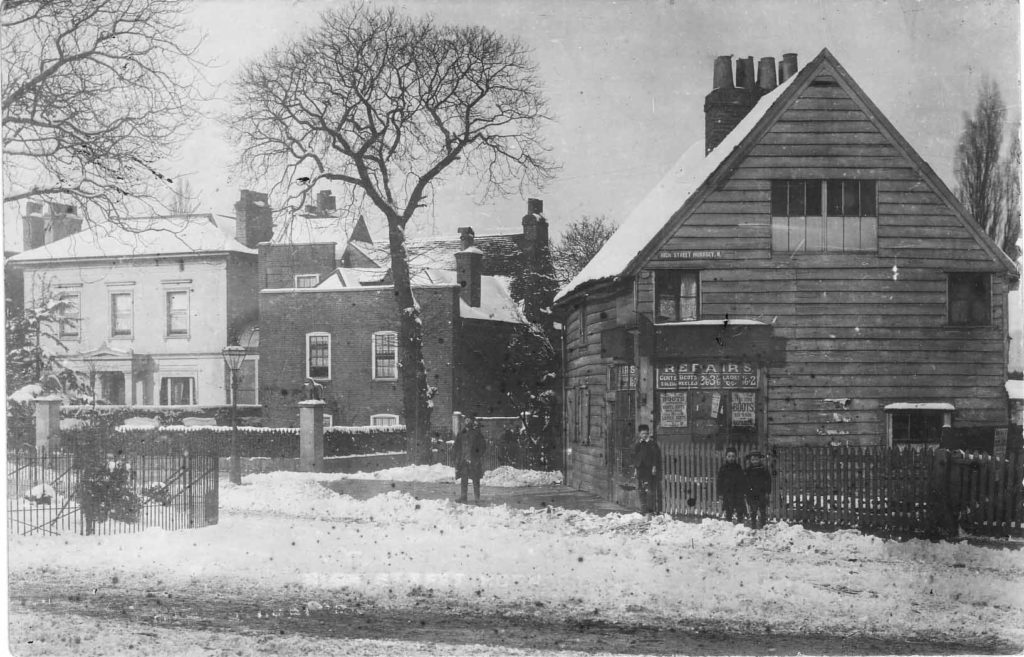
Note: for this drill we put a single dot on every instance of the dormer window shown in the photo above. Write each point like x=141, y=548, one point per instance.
x=815, y=216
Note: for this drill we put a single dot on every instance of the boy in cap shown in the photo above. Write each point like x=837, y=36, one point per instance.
x=759, y=485
x=647, y=459
x=731, y=484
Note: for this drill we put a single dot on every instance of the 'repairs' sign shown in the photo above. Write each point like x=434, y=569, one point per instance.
x=707, y=374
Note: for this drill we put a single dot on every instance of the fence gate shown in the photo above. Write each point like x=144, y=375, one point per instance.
x=87, y=489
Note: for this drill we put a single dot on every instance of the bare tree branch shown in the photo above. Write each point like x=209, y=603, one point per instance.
x=95, y=94
x=390, y=106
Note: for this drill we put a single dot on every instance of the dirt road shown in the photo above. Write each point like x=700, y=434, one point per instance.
x=160, y=622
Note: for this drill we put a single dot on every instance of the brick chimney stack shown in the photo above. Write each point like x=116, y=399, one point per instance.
x=468, y=267
x=254, y=221
x=729, y=102
x=535, y=231
x=325, y=202
x=43, y=224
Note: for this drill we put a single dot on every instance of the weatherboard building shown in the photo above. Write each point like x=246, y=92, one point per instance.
x=801, y=278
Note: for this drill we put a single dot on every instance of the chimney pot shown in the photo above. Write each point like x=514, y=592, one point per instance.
x=534, y=206
x=745, y=73
x=723, y=72
x=787, y=67
x=466, y=236
x=766, y=80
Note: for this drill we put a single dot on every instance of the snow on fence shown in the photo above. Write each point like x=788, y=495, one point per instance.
x=891, y=489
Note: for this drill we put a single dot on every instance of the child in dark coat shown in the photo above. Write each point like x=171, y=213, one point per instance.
x=759, y=486
x=732, y=486
x=469, y=449
x=647, y=459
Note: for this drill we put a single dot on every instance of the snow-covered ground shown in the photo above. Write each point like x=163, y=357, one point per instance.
x=285, y=535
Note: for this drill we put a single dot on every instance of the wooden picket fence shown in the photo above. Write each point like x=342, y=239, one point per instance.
x=897, y=491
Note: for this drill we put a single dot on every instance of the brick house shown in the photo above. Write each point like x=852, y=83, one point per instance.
x=151, y=303
x=343, y=334
x=801, y=278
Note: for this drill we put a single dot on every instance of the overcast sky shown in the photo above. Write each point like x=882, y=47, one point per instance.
x=627, y=80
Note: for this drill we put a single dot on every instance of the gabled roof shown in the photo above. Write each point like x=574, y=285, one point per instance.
x=144, y=236
x=694, y=176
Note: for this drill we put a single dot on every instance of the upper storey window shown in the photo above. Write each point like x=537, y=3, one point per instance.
x=677, y=295
x=816, y=216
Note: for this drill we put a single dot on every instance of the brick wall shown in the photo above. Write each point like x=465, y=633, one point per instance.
x=350, y=317
x=280, y=263
x=480, y=354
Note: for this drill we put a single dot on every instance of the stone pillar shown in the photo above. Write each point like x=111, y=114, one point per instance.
x=311, y=435
x=48, y=422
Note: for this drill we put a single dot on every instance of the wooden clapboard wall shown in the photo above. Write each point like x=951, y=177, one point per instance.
x=856, y=339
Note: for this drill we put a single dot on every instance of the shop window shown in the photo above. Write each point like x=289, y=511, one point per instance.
x=385, y=356
x=677, y=295
x=177, y=391
x=318, y=355
x=712, y=402
x=815, y=216
x=970, y=299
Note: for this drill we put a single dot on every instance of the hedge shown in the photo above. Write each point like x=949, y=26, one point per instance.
x=112, y=416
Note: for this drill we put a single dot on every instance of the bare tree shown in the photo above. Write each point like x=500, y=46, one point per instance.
x=984, y=183
x=578, y=244
x=95, y=94
x=184, y=200
x=389, y=105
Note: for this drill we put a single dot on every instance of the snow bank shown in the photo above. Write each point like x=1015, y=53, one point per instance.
x=504, y=476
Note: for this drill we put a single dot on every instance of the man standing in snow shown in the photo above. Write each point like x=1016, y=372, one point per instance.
x=732, y=485
x=647, y=459
x=759, y=486
x=469, y=449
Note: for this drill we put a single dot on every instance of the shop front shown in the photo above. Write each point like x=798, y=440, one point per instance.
x=710, y=381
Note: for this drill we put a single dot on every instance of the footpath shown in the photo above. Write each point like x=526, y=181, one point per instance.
x=523, y=497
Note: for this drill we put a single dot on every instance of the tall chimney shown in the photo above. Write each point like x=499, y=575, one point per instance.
x=325, y=202
x=43, y=224
x=468, y=267
x=745, y=74
x=787, y=67
x=535, y=233
x=766, y=74
x=726, y=105
x=254, y=222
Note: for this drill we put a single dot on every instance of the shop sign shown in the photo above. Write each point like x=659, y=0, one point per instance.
x=708, y=374
x=673, y=409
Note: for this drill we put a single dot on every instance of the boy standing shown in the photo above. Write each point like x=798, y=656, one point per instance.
x=732, y=485
x=647, y=459
x=759, y=485
x=469, y=449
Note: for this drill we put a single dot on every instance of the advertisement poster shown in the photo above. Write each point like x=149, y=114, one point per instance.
x=742, y=409
x=673, y=409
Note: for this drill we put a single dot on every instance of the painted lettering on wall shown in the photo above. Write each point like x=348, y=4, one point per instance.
x=707, y=374
x=690, y=255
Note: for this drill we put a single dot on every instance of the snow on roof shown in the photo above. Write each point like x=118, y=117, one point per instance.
x=920, y=406
x=1015, y=389
x=496, y=304
x=145, y=236
x=657, y=208
x=347, y=277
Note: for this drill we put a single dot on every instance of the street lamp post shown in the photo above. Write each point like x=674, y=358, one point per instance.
x=234, y=355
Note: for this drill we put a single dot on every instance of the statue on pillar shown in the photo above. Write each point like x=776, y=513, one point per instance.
x=312, y=391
